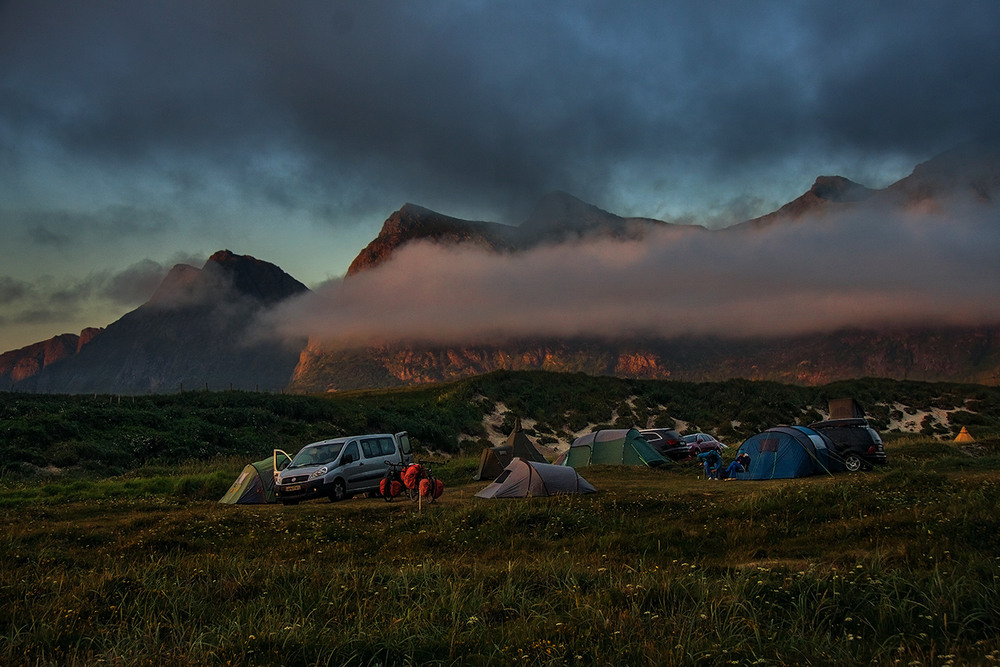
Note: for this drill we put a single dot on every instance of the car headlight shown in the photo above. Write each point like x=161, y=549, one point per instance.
x=319, y=473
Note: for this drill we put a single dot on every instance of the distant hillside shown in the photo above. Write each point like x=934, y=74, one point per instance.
x=196, y=330
x=26, y=362
x=951, y=354
x=115, y=435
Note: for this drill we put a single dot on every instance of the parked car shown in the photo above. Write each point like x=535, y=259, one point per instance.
x=855, y=442
x=667, y=443
x=341, y=467
x=702, y=442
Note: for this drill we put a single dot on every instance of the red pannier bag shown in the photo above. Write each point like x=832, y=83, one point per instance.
x=411, y=476
x=389, y=488
x=431, y=488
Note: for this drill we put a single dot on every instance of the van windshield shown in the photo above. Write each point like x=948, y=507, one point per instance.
x=316, y=456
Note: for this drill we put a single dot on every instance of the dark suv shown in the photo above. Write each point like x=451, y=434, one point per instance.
x=667, y=443
x=855, y=443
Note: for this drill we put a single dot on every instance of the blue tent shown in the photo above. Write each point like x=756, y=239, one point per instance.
x=784, y=452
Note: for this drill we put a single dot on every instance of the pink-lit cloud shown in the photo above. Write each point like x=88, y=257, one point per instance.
x=866, y=270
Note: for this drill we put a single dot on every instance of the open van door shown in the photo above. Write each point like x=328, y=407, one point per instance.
x=405, y=451
x=279, y=461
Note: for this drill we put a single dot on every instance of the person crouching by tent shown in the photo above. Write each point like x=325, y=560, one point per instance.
x=740, y=464
x=712, y=462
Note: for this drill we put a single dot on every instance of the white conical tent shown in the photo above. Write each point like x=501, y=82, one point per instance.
x=523, y=478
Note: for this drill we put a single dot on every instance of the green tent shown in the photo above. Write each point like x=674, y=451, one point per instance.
x=255, y=485
x=613, y=446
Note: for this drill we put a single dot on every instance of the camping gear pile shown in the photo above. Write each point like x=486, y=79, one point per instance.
x=392, y=484
x=416, y=480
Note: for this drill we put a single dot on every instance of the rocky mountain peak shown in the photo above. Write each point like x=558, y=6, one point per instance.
x=412, y=222
x=839, y=189
x=561, y=212
x=225, y=271
x=968, y=170
x=253, y=277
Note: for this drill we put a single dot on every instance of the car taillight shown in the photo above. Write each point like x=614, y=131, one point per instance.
x=872, y=449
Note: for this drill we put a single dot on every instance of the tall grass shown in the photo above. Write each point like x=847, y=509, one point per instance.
x=897, y=566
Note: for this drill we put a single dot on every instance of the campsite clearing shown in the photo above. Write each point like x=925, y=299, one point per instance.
x=897, y=565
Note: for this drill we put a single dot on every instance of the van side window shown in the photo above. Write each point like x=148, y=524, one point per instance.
x=366, y=447
x=352, y=450
x=387, y=446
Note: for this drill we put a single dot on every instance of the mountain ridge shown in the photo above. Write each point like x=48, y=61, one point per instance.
x=196, y=329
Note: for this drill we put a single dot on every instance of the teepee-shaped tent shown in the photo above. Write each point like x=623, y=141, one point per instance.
x=494, y=459
x=964, y=436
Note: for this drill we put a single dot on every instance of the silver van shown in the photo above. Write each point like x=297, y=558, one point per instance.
x=341, y=467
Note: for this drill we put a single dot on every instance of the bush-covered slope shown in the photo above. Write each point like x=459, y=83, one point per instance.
x=112, y=434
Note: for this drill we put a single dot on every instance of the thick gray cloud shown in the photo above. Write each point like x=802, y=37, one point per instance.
x=12, y=290
x=191, y=126
x=56, y=300
x=467, y=104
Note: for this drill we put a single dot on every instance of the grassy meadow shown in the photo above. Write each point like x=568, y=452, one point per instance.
x=899, y=565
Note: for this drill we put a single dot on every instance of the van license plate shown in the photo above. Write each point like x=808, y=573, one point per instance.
x=294, y=487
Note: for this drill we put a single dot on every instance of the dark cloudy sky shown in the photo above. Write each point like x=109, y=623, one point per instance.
x=135, y=134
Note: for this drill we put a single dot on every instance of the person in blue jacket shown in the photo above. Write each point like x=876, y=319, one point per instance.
x=712, y=462
x=740, y=464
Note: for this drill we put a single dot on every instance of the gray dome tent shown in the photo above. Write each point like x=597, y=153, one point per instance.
x=521, y=479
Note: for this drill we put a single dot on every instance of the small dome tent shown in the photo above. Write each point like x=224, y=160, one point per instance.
x=255, y=485
x=494, y=459
x=613, y=446
x=784, y=452
x=522, y=478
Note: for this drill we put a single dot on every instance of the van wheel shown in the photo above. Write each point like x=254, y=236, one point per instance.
x=339, y=491
x=853, y=462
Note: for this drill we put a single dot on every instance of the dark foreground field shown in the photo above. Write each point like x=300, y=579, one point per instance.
x=894, y=566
